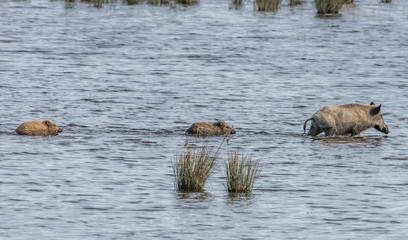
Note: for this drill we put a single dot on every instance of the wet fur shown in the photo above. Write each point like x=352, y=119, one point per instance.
x=39, y=128
x=348, y=119
x=210, y=129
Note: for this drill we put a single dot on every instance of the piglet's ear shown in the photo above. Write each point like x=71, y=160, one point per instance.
x=375, y=110
x=47, y=122
x=372, y=103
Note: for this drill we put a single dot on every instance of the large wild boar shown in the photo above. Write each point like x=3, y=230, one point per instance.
x=210, y=129
x=348, y=119
x=39, y=128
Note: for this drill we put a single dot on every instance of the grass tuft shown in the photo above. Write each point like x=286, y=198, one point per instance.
x=187, y=2
x=193, y=167
x=295, y=2
x=267, y=5
x=241, y=173
x=133, y=2
x=328, y=6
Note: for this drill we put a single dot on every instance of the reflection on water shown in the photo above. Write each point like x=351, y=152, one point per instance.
x=193, y=198
x=196, y=199
x=240, y=199
x=113, y=3
x=355, y=141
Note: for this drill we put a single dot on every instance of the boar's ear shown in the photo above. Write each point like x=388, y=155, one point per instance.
x=47, y=122
x=375, y=110
x=372, y=103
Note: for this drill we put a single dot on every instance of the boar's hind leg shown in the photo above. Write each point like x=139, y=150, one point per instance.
x=314, y=129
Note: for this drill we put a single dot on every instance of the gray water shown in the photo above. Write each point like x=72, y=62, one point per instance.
x=126, y=81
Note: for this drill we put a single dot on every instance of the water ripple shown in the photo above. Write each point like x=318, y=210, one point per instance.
x=126, y=81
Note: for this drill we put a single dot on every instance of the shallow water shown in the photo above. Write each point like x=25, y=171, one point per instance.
x=125, y=82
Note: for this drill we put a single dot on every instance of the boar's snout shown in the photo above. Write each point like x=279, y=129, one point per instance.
x=60, y=130
x=383, y=129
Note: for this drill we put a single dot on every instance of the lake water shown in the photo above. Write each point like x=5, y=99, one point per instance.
x=126, y=81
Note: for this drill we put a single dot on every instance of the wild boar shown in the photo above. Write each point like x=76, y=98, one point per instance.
x=348, y=119
x=210, y=129
x=39, y=128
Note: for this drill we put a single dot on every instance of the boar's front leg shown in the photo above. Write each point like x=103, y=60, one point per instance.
x=329, y=131
x=355, y=132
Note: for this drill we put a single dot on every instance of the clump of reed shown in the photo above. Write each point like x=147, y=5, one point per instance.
x=241, y=173
x=187, y=2
x=386, y=1
x=133, y=2
x=295, y=2
x=348, y=1
x=267, y=5
x=328, y=6
x=193, y=167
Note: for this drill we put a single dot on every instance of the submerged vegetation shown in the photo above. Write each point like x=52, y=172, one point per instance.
x=241, y=173
x=94, y=3
x=237, y=4
x=157, y=2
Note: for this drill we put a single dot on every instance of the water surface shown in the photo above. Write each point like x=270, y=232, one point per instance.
x=126, y=81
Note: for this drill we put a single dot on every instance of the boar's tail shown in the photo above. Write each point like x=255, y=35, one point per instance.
x=304, y=125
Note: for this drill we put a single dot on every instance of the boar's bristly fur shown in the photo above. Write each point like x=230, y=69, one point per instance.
x=210, y=129
x=39, y=128
x=348, y=119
